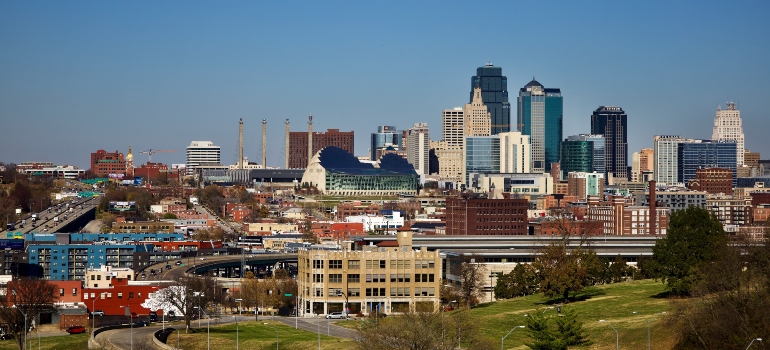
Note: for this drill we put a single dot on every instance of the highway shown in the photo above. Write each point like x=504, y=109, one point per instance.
x=56, y=216
x=176, y=271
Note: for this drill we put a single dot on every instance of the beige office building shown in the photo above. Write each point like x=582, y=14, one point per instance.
x=394, y=279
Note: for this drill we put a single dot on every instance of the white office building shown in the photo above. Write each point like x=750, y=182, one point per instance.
x=515, y=153
x=203, y=155
x=418, y=147
x=728, y=126
x=665, y=148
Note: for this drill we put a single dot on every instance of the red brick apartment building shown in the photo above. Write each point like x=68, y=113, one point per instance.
x=332, y=137
x=713, y=181
x=481, y=216
x=103, y=162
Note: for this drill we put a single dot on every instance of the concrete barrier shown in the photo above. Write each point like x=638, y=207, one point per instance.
x=156, y=338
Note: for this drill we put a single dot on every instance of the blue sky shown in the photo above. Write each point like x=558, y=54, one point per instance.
x=86, y=75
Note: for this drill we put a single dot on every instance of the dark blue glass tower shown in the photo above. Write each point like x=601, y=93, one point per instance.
x=612, y=122
x=705, y=154
x=540, y=113
x=494, y=93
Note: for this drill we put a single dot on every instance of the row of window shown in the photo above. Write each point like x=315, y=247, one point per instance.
x=373, y=264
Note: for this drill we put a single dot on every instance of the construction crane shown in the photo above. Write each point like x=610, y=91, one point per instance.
x=151, y=151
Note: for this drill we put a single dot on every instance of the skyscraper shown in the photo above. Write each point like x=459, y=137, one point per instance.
x=476, y=116
x=481, y=155
x=728, y=126
x=699, y=154
x=641, y=162
x=418, y=147
x=515, y=153
x=666, y=155
x=540, y=112
x=386, y=136
x=202, y=154
x=576, y=156
x=494, y=93
x=612, y=122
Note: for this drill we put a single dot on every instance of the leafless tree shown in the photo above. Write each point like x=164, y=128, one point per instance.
x=470, y=271
x=25, y=299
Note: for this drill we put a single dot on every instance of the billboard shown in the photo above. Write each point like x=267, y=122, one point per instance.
x=116, y=176
x=122, y=206
x=15, y=244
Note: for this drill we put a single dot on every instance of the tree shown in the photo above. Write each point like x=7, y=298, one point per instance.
x=470, y=270
x=564, y=271
x=187, y=293
x=25, y=299
x=522, y=280
x=694, y=238
x=565, y=331
x=169, y=216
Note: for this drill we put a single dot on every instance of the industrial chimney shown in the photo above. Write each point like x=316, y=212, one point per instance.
x=287, y=144
x=264, y=143
x=309, y=139
x=240, y=144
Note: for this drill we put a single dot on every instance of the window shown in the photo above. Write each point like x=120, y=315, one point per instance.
x=354, y=278
x=120, y=295
x=74, y=292
x=93, y=277
x=61, y=292
x=382, y=264
x=335, y=278
x=393, y=278
x=335, y=264
x=318, y=264
x=318, y=278
x=335, y=292
x=319, y=292
x=354, y=292
x=98, y=277
x=354, y=264
x=131, y=295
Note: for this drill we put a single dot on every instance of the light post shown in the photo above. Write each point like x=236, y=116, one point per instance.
x=551, y=307
x=617, y=335
x=502, y=342
x=199, y=295
x=239, y=301
x=93, y=318
x=128, y=313
x=752, y=342
x=443, y=331
x=649, y=343
x=25, y=321
x=208, y=326
x=276, y=334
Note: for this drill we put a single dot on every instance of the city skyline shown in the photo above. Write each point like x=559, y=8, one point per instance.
x=76, y=79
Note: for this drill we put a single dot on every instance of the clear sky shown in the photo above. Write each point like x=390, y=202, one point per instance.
x=78, y=76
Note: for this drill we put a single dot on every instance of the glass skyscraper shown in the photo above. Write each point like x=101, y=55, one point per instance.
x=576, y=156
x=705, y=154
x=385, y=137
x=612, y=122
x=540, y=113
x=494, y=93
x=482, y=155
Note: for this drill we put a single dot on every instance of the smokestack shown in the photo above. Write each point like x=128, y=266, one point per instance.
x=309, y=139
x=264, y=143
x=287, y=144
x=653, y=208
x=240, y=144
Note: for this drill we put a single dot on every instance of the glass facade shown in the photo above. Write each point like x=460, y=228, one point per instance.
x=384, y=137
x=494, y=93
x=612, y=123
x=482, y=155
x=576, y=156
x=705, y=154
x=540, y=115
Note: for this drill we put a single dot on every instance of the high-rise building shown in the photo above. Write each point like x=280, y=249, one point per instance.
x=386, y=136
x=481, y=155
x=515, y=153
x=298, y=144
x=476, y=116
x=582, y=185
x=666, y=155
x=453, y=126
x=612, y=122
x=418, y=147
x=494, y=92
x=449, y=151
x=202, y=154
x=540, y=114
x=728, y=126
x=576, y=156
x=705, y=154
x=641, y=162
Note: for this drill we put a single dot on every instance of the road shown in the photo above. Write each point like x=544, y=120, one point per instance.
x=45, y=221
x=121, y=338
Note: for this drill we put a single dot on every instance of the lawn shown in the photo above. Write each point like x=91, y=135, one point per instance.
x=257, y=335
x=74, y=341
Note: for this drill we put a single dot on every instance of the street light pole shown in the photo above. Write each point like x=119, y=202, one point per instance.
x=502, y=342
x=276, y=334
x=239, y=301
x=617, y=335
x=649, y=342
x=752, y=342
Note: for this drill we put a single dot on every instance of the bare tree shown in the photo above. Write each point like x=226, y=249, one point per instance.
x=25, y=299
x=188, y=293
x=470, y=271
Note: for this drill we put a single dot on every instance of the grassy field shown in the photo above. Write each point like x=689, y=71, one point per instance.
x=74, y=341
x=256, y=335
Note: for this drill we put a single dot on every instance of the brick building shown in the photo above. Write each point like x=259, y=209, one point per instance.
x=713, y=181
x=731, y=211
x=103, y=162
x=481, y=216
x=298, y=156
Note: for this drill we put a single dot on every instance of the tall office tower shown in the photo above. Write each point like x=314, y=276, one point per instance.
x=494, y=93
x=453, y=126
x=666, y=158
x=418, y=147
x=612, y=122
x=481, y=155
x=202, y=154
x=705, y=154
x=476, y=115
x=515, y=153
x=386, y=136
x=540, y=113
x=598, y=158
x=642, y=162
x=728, y=126
x=298, y=144
x=577, y=156
x=449, y=151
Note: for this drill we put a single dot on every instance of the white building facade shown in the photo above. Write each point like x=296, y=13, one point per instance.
x=418, y=147
x=515, y=153
x=202, y=154
x=728, y=126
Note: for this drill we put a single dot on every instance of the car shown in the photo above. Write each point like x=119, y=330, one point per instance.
x=141, y=324
x=202, y=258
x=171, y=313
x=337, y=315
x=178, y=263
x=5, y=336
x=144, y=275
x=168, y=267
x=98, y=313
x=76, y=330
